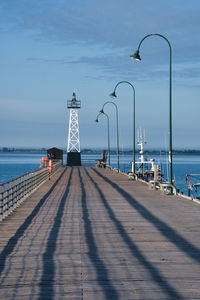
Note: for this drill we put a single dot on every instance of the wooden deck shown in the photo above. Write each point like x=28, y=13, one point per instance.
x=90, y=233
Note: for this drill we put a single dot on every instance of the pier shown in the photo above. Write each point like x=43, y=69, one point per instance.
x=91, y=233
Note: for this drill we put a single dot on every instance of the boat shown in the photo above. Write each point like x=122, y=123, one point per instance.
x=146, y=168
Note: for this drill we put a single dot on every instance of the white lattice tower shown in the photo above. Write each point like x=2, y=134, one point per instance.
x=73, y=144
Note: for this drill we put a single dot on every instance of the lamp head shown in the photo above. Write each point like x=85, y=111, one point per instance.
x=101, y=111
x=113, y=95
x=136, y=56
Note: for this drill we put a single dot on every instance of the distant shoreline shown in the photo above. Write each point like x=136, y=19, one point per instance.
x=99, y=151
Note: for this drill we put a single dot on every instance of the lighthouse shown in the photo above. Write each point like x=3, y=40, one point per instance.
x=73, y=144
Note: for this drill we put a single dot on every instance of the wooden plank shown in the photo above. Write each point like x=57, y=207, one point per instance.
x=90, y=233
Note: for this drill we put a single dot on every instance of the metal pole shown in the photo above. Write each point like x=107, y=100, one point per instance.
x=117, y=124
x=137, y=56
x=108, y=138
x=108, y=125
x=114, y=96
x=170, y=117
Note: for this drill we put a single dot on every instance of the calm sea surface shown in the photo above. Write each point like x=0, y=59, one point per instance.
x=14, y=165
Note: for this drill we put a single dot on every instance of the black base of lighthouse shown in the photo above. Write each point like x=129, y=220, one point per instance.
x=73, y=159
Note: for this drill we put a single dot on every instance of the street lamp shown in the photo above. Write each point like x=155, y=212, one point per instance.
x=136, y=56
x=113, y=95
x=117, y=124
x=97, y=120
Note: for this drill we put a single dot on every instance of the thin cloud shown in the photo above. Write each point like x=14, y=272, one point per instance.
x=109, y=23
x=113, y=66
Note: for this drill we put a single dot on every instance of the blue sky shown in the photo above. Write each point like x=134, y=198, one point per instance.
x=49, y=48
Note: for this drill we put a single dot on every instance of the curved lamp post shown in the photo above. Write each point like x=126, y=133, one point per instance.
x=113, y=95
x=117, y=124
x=136, y=56
x=97, y=120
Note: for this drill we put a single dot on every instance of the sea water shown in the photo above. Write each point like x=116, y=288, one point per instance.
x=13, y=165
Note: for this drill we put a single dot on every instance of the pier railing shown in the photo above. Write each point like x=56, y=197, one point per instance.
x=14, y=192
